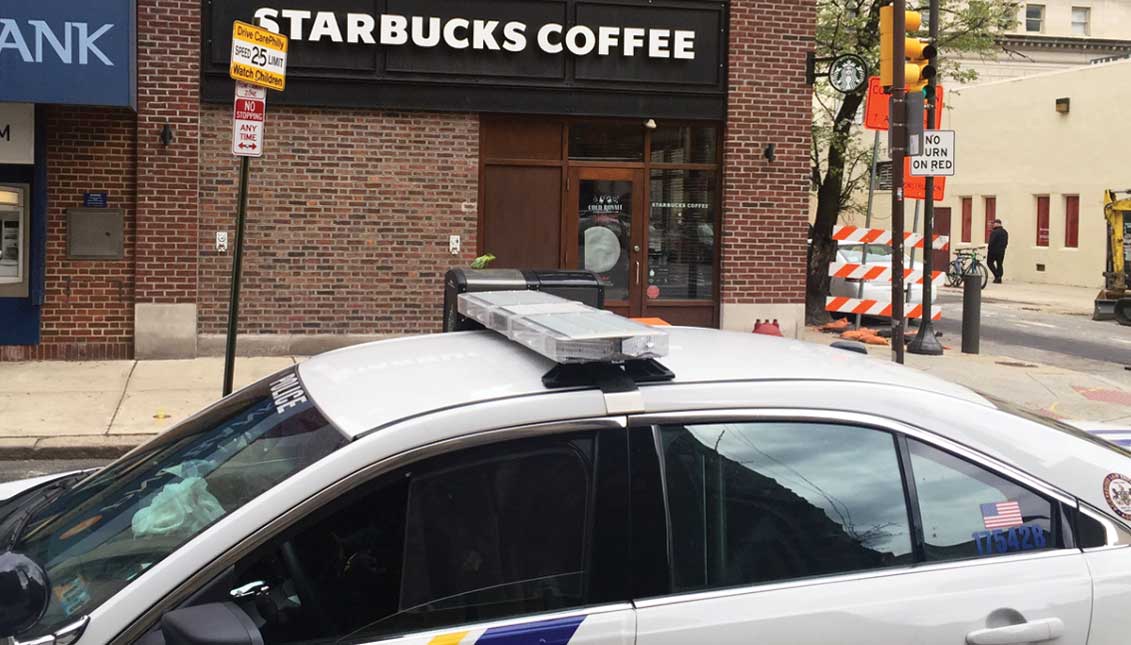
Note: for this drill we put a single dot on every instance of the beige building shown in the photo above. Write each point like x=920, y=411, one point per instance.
x=1041, y=170
x=1057, y=34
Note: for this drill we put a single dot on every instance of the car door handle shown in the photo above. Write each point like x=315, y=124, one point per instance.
x=1037, y=631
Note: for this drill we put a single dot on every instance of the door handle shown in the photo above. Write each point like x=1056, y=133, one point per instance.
x=638, y=273
x=1036, y=631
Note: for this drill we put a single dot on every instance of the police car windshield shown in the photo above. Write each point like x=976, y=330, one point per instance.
x=107, y=530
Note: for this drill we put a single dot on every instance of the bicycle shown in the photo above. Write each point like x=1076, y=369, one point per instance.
x=966, y=261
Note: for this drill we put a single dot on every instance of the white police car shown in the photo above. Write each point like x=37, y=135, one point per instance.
x=462, y=488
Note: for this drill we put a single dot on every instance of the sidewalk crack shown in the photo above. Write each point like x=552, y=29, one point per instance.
x=121, y=399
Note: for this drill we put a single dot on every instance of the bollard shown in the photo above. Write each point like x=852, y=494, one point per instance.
x=971, y=312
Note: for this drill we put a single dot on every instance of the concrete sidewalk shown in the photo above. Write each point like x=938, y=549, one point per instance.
x=86, y=409
x=1053, y=298
x=101, y=409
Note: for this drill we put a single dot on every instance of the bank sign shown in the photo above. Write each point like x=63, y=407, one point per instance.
x=595, y=57
x=68, y=51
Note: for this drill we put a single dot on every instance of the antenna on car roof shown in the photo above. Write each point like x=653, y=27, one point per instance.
x=591, y=346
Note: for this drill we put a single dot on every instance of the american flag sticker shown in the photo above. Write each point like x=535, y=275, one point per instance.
x=1001, y=515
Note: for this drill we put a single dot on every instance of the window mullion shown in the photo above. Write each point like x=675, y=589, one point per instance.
x=911, y=498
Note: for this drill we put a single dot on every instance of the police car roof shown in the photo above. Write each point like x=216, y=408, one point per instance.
x=370, y=386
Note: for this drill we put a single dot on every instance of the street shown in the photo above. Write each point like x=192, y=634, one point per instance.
x=1028, y=332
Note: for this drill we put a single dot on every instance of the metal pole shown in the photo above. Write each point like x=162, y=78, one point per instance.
x=898, y=152
x=925, y=341
x=971, y=313
x=237, y=267
x=868, y=216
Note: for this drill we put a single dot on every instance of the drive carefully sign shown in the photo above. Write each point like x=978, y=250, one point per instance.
x=259, y=57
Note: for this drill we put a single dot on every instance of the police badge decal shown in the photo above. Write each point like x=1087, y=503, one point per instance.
x=1117, y=492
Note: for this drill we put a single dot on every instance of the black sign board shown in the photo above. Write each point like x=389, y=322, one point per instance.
x=646, y=58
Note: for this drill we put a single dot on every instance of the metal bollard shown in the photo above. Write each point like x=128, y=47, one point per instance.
x=971, y=313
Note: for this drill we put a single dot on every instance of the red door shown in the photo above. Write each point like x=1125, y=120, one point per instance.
x=941, y=227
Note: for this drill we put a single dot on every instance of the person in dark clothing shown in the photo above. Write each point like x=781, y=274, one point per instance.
x=995, y=256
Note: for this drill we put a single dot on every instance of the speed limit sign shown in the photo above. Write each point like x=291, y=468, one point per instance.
x=259, y=56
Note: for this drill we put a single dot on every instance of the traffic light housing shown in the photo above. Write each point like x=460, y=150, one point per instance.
x=917, y=66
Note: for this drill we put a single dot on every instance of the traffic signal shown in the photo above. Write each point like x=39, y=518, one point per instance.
x=917, y=67
x=918, y=52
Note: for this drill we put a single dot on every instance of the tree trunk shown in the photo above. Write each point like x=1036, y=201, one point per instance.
x=822, y=249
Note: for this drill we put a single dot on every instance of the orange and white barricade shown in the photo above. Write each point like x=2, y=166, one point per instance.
x=881, y=236
x=879, y=273
x=875, y=308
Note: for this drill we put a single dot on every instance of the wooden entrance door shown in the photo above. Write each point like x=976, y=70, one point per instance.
x=603, y=231
x=941, y=226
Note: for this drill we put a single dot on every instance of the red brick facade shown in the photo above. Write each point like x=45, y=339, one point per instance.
x=349, y=214
x=766, y=203
x=351, y=209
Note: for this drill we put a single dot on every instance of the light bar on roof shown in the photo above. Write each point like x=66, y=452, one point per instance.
x=565, y=331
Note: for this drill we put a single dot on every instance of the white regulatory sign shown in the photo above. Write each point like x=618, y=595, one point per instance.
x=937, y=157
x=249, y=114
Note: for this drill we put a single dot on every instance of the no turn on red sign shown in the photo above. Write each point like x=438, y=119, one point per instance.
x=249, y=115
x=937, y=158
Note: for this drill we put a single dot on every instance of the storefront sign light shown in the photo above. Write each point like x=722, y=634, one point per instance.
x=476, y=34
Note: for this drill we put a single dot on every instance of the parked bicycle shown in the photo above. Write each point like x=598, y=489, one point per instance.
x=966, y=261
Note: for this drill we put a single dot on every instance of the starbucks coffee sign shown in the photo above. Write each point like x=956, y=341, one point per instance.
x=584, y=57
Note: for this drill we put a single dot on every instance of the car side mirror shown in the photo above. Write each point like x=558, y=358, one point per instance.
x=23, y=593
x=218, y=623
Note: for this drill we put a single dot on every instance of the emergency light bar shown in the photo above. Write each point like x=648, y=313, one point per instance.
x=565, y=331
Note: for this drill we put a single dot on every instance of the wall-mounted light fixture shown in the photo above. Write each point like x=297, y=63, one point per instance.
x=770, y=152
x=167, y=134
x=1062, y=105
x=650, y=124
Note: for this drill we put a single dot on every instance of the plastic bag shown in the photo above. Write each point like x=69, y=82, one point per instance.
x=185, y=506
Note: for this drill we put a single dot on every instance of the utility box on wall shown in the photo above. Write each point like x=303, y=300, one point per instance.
x=94, y=234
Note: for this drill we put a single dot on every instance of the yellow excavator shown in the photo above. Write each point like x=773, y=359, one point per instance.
x=1114, y=301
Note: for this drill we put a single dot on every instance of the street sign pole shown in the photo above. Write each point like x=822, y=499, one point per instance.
x=237, y=269
x=898, y=152
x=259, y=63
x=925, y=341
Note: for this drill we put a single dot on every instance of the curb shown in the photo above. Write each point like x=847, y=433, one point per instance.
x=64, y=448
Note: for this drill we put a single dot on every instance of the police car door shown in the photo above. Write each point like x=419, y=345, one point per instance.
x=804, y=531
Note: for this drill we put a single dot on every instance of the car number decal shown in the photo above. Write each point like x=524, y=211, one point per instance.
x=1018, y=538
x=1117, y=492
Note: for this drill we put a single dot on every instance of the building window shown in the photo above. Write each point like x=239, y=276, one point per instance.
x=967, y=218
x=1081, y=21
x=883, y=175
x=991, y=215
x=1071, y=221
x=1035, y=17
x=1042, y=220
x=681, y=234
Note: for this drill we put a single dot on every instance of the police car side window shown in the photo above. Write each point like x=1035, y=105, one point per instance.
x=482, y=534
x=969, y=512
x=760, y=502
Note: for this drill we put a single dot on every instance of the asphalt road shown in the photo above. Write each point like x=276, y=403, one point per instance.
x=1027, y=333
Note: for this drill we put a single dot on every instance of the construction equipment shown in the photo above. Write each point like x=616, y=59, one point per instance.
x=1114, y=301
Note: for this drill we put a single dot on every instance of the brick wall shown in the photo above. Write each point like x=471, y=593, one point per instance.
x=348, y=219
x=766, y=208
x=168, y=43
x=88, y=306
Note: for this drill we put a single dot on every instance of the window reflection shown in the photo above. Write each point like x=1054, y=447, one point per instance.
x=604, y=209
x=606, y=142
x=759, y=502
x=681, y=235
x=684, y=144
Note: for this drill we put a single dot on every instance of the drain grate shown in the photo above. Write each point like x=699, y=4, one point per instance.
x=1014, y=364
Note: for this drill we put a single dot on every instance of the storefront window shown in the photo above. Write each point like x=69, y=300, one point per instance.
x=681, y=235
x=604, y=231
x=13, y=224
x=684, y=144
x=606, y=142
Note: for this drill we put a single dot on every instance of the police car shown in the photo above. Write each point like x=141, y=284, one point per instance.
x=575, y=477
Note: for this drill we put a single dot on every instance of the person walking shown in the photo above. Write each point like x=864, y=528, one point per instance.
x=995, y=255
